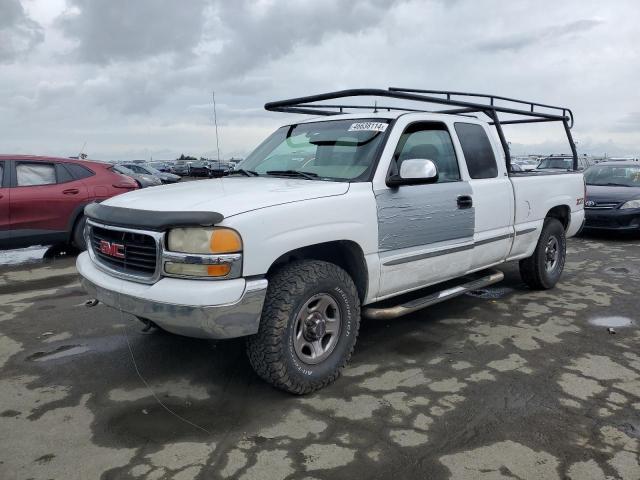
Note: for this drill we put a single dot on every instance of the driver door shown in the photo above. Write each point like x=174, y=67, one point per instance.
x=425, y=232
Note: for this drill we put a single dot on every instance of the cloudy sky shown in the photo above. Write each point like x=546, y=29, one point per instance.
x=133, y=79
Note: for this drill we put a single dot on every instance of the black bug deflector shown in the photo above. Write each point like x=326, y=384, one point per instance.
x=150, y=219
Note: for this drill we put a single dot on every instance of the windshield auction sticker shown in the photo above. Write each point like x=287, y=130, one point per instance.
x=368, y=127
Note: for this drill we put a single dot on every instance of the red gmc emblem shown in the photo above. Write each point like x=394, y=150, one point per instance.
x=112, y=249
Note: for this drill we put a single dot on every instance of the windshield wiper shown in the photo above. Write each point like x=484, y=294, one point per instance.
x=246, y=173
x=611, y=184
x=294, y=173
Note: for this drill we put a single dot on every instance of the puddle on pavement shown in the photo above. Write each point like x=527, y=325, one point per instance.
x=35, y=255
x=490, y=292
x=612, y=322
x=60, y=352
x=148, y=421
x=621, y=270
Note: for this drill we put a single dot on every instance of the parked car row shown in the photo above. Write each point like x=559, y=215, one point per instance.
x=42, y=199
x=202, y=168
x=143, y=180
x=551, y=162
x=147, y=169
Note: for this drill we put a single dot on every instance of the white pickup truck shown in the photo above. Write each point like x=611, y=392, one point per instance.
x=374, y=214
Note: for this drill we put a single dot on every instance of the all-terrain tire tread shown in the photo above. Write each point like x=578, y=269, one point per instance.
x=265, y=349
x=530, y=269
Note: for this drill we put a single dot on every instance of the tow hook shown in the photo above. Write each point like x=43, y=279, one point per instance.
x=92, y=302
x=148, y=325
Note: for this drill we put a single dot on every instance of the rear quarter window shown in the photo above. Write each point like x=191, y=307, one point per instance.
x=79, y=171
x=481, y=162
x=63, y=174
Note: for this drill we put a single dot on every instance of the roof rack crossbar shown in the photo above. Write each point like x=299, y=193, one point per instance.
x=307, y=111
x=402, y=95
x=366, y=107
x=308, y=105
x=531, y=120
x=491, y=99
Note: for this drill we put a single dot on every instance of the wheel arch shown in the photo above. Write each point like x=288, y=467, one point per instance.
x=562, y=213
x=75, y=216
x=346, y=254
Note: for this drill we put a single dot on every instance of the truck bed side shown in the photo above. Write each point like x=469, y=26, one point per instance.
x=536, y=196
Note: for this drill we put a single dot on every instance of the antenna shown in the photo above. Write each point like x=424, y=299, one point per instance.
x=82, y=155
x=215, y=120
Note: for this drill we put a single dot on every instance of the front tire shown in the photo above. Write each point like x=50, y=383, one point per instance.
x=308, y=329
x=77, y=237
x=542, y=270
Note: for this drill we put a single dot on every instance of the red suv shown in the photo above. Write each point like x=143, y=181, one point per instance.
x=42, y=199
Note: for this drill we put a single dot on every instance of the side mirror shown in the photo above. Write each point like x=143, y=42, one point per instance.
x=415, y=171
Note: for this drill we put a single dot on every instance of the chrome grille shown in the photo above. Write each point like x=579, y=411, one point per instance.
x=601, y=205
x=140, y=251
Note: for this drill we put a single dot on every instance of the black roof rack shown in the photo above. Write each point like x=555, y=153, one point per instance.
x=489, y=105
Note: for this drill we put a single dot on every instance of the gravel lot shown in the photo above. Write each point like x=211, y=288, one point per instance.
x=507, y=384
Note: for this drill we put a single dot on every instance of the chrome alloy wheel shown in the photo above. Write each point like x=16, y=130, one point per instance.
x=552, y=254
x=317, y=329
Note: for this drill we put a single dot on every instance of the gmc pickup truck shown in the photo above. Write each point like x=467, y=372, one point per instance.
x=376, y=213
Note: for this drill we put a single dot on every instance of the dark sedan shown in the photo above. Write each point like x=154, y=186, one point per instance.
x=219, y=169
x=199, y=169
x=613, y=196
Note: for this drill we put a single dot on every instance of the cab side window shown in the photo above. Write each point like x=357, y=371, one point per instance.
x=481, y=162
x=430, y=141
x=1, y=174
x=36, y=173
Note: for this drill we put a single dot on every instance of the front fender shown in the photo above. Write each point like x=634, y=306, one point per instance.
x=271, y=232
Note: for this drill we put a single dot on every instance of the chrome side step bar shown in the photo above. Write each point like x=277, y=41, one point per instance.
x=474, y=282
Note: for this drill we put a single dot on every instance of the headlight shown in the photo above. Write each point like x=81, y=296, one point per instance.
x=631, y=204
x=186, y=269
x=203, y=252
x=204, y=240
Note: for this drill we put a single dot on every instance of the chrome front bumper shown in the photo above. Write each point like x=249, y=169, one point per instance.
x=237, y=319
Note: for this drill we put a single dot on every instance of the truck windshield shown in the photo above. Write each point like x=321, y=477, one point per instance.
x=339, y=150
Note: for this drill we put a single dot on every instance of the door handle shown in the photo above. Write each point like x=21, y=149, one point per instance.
x=71, y=191
x=465, y=201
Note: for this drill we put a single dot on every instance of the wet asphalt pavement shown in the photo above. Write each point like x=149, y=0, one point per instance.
x=503, y=384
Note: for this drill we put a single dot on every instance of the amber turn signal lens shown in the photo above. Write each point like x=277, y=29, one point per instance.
x=218, y=270
x=224, y=240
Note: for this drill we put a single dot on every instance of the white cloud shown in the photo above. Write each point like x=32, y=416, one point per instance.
x=134, y=79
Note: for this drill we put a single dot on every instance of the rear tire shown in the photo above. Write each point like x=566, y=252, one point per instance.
x=542, y=270
x=77, y=237
x=308, y=329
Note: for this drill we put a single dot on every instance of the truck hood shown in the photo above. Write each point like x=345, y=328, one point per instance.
x=228, y=196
